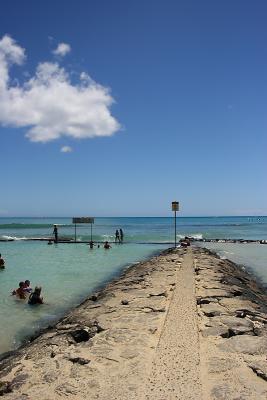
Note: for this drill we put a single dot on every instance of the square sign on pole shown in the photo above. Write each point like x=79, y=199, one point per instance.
x=175, y=208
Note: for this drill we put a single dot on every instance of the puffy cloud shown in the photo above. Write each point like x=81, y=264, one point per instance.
x=66, y=149
x=62, y=49
x=49, y=104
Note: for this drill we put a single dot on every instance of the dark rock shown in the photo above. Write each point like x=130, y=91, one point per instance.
x=206, y=300
x=5, y=387
x=124, y=302
x=79, y=360
x=80, y=335
x=240, y=314
x=93, y=297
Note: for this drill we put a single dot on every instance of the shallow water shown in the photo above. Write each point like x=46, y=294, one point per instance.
x=251, y=255
x=69, y=272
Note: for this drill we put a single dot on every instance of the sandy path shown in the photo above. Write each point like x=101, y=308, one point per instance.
x=175, y=370
x=148, y=340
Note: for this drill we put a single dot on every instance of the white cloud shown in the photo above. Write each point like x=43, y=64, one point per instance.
x=62, y=49
x=49, y=104
x=66, y=149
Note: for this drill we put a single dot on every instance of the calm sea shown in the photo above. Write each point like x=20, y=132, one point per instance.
x=69, y=272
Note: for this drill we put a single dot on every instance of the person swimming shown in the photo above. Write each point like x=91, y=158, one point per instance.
x=27, y=286
x=20, y=292
x=107, y=245
x=35, y=297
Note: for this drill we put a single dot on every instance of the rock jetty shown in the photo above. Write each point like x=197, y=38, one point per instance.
x=182, y=325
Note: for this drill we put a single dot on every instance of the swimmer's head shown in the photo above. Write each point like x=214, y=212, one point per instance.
x=37, y=289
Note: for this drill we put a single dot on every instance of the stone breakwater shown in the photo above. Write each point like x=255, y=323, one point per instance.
x=232, y=318
x=183, y=325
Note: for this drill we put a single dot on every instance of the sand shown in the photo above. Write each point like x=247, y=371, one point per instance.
x=183, y=325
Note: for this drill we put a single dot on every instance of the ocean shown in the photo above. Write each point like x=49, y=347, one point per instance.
x=69, y=272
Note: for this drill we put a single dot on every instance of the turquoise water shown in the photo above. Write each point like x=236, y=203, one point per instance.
x=251, y=255
x=69, y=272
x=142, y=229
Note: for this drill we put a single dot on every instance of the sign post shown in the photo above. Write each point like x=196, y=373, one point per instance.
x=83, y=220
x=175, y=208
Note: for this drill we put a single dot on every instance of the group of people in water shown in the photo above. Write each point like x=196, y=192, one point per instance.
x=119, y=236
x=24, y=292
x=118, y=239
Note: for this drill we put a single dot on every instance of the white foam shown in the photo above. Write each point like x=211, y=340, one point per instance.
x=13, y=237
x=192, y=235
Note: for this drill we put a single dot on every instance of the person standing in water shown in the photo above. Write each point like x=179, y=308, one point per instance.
x=117, y=236
x=55, y=233
x=121, y=235
x=2, y=262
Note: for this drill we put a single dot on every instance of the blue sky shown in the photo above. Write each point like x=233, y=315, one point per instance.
x=153, y=101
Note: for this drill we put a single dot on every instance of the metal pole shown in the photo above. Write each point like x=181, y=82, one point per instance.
x=175, y=228
x=91, y=231
x=75, y=232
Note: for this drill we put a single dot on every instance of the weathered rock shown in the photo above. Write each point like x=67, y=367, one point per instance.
x=67, y=389
x=19, y=380
x=211, y=310
x=221, y=392
x=218, y=365
x=50, y=376
x=129, y=354
x=238, y=326
x=216, y=331
x=159, y=292
x=206, y=300
x=260, y=368
x=245, y=344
